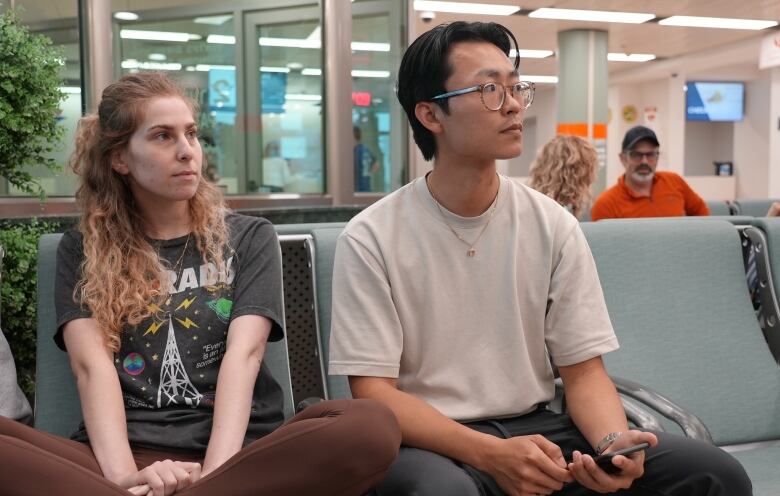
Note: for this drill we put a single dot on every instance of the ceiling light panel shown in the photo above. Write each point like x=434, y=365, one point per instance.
x=531, y=54
x=466, y=8
x=539, y=79
x=221, y=39
x=591, y=15
x=135, y=34
x=126, y=16
x=717, y=22
x=630, y=57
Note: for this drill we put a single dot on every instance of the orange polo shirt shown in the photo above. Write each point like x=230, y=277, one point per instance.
x=670, y=197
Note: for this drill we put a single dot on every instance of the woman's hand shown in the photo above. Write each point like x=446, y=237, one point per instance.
x=161, y=478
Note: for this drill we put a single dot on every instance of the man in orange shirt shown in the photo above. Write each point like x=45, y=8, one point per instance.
x=642, y=191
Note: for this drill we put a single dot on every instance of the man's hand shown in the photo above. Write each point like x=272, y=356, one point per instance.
x=590, y=475
x=161, y=478
x=527, y=465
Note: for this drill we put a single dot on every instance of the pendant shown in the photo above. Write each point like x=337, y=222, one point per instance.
x=471, y=252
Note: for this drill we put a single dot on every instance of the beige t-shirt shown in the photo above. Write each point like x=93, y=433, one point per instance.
x=472, y=336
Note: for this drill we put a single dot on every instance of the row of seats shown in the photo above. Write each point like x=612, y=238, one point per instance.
x=676, y=293
x=749, y=207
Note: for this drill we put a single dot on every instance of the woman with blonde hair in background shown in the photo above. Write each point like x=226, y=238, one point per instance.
x=564, y=170
x=165, y=302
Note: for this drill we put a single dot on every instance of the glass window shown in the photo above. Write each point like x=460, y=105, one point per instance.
x=60, y=25
x=290, y=105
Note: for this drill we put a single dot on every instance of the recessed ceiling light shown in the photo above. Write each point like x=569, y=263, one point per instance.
x=591, y=15
x=717, y=22
x=370, y=74
x=135, y=34
x=158, y=57
x=357, y=46
x=466, y=8
x=540, y=79
x=210, y=67
x=71, y=90
x=284, y=70
x=213, y=20
x=303, y=98
x=531, y=54
x=221, y=39
x=126, y=16
x=630, y=57
x=150, y=66
x=311, y=72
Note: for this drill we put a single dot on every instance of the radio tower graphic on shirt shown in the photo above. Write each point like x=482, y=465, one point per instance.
x=174, y=380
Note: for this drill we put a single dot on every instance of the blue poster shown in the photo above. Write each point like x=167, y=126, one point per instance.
x=273, y=86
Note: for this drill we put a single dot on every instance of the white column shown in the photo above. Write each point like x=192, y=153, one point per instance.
x=673, y=142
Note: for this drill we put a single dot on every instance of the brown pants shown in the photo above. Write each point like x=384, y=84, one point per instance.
x=341, y=447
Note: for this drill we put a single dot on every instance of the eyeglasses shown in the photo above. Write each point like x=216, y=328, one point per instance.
x=493, y=95
x=637, y=156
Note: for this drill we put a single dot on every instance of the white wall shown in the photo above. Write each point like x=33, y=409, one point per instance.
x=655, y=107
x=751, y=140
x=705, y=143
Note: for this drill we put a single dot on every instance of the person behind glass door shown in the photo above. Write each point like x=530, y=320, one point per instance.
x=365, y=163
x=165, y=302
x=276, y=170
x=564, y=169
x=454, y=295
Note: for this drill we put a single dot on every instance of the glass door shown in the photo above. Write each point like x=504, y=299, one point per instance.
x=379, y=126
x=284, y=92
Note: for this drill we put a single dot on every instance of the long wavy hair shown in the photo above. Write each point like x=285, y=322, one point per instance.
x=564, y=170
x=122, y=274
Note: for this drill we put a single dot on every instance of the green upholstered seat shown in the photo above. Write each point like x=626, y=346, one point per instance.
x=677, y=298
x=718, y=207
x=755, y=207
x=325, y=246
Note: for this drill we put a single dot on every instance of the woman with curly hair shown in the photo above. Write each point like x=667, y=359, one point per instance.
x=564, y=169
x=165, y=301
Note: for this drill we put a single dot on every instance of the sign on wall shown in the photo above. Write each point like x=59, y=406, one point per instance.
x=770, y=51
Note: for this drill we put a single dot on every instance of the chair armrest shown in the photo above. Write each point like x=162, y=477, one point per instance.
x=306, y=403
x=635, y=397
x=691, y=425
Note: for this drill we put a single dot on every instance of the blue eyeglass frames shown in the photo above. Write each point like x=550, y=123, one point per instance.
x=493, y=95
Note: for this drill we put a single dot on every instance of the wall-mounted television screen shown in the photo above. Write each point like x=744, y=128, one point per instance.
x=714, y=101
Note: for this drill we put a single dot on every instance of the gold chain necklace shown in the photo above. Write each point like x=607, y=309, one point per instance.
x=471, y=252
x=179, y=263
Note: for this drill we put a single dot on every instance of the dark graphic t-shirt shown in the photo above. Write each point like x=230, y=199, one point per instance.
x=168, y=364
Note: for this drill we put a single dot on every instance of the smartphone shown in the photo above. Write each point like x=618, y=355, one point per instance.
x=605, y=461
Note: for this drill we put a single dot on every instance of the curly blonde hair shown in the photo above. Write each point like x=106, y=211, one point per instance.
x=122, y=274
x=564, y=169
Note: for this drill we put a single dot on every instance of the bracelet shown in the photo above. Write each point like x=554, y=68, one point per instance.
x=607, y=441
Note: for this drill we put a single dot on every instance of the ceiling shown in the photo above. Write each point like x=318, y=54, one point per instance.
x=666, y=42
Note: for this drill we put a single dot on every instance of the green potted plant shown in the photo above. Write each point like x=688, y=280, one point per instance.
x=30, y=95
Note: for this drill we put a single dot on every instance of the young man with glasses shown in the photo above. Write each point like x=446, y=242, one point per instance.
x=454, y=296
x=642, y=191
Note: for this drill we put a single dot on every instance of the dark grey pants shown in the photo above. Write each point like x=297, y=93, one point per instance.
x=676, y=467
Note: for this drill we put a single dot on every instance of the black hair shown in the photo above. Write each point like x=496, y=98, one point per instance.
x=425, y=67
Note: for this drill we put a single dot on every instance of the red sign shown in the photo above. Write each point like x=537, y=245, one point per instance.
x=361, y=98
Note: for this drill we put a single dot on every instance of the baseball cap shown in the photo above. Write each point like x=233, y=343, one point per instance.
x=637, y=134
